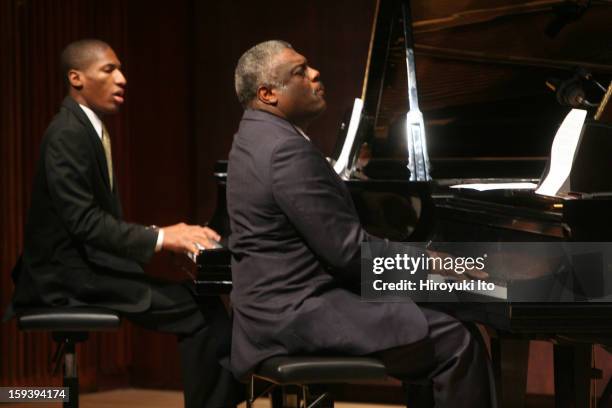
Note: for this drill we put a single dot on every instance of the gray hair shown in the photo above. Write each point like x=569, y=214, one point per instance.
x=254, y=69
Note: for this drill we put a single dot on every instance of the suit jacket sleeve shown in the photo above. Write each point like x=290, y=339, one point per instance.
x=311, y=196
x=70, y=163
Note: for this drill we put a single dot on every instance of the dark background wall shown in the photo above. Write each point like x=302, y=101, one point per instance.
x=334, y=36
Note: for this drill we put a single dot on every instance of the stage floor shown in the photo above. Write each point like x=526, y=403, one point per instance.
x=139, y=398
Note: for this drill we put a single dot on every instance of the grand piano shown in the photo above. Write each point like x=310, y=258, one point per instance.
x=490, y=110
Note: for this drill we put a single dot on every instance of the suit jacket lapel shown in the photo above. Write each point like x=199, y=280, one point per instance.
x=75, y=109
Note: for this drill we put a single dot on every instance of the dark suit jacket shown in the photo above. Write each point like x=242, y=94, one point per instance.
x=76, y=249
x=292, y=218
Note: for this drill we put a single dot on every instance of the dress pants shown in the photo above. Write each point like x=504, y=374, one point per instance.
x=449, y=368
x=204, y=334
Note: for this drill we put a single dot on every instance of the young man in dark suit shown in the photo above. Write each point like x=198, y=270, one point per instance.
x=292, y=218
x=79, y=252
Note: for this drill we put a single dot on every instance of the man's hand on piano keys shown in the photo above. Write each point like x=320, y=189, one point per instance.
x=183, y=238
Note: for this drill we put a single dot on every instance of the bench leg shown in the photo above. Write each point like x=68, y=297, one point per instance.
x=71, y=379
x=250, y=393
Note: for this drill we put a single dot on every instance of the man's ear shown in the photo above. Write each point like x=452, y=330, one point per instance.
x=75, y=79
x=267, y=95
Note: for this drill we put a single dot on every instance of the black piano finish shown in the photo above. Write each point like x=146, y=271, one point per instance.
x=407, y=211
x=523, y=216
x=404, y=211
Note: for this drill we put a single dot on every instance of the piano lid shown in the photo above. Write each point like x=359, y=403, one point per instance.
x=485, y=69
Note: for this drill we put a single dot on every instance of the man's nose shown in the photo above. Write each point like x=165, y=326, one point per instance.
x=120, y=78
x=314, y=74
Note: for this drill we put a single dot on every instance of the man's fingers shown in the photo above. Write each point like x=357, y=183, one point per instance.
x=203, y=233
x=477, y=274
x=192, y=247
x=189, y=238
x=204, y=240
x=211, y=234
x=207, y=243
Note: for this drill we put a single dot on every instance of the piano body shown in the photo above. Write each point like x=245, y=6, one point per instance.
x=489, y=117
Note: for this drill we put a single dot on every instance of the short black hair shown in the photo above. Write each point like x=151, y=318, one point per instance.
x=79, y=54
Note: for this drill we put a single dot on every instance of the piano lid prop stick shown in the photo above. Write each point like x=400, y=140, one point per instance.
x=418, y=157
x=604, y=102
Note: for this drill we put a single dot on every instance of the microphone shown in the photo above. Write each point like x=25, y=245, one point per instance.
x=571, y=91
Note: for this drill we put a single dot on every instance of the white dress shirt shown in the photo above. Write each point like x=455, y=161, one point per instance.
x=96, y=122
x=300, y=131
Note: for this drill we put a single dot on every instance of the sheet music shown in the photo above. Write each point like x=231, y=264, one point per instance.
x=562, y=154
x=497, y=186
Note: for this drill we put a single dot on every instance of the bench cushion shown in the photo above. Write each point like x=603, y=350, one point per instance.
x=67, y=319
x=319, y=370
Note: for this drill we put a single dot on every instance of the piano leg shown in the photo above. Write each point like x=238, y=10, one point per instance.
x=573, y=375
x=510, y=357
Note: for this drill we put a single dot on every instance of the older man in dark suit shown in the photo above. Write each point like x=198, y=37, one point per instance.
x=79, y=252
x=292, y=219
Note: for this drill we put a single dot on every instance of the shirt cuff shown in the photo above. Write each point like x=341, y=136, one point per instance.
x=160, y=240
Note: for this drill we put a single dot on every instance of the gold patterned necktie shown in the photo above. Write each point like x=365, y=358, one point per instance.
x=107, y=152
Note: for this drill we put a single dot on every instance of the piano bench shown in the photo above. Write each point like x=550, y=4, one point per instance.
x=289, y=378
x=68, y=326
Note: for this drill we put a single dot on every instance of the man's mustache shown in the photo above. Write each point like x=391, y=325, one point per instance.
x=321, y=87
